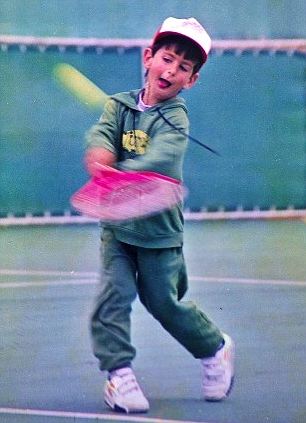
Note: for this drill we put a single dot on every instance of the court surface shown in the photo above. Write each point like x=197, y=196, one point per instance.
x=249, y=276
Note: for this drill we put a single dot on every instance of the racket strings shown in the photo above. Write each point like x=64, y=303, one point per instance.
x=127, y=196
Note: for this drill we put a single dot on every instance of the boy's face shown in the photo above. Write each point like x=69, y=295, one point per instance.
x=168, y=74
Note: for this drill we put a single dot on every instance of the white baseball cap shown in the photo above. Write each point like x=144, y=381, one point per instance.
x=189, y=28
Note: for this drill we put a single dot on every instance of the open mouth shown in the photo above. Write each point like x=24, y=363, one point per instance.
x=163, y=83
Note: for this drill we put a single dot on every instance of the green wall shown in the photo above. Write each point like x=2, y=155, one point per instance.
x=250, y=107
x=139, y=18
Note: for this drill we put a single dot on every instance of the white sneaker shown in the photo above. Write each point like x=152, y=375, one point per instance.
x=122, y=392
x=218, y=372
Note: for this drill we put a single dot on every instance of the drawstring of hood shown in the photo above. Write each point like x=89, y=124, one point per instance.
x=186, y=135
x=125, y=99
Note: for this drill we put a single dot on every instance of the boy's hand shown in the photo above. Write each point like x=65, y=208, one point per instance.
x=98, y=156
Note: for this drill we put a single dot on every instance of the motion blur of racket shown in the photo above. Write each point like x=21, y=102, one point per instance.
x=116, y=195
x=79, y=86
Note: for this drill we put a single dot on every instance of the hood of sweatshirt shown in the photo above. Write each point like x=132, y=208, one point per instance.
x=130, y=99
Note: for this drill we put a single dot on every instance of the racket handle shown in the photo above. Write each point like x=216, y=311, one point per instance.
x=106, y=170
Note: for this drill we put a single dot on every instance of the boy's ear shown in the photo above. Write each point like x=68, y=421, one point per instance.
x=192, y=80
x=147, y=57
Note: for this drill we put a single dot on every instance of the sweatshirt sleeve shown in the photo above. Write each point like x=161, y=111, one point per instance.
x=166, y=148
x=105, y=133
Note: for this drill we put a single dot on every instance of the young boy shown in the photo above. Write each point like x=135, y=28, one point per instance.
x=146, y=130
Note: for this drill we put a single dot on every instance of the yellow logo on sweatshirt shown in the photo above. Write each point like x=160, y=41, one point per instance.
x=136, y=141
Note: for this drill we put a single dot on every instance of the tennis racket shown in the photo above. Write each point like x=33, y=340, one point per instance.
x=116, y=195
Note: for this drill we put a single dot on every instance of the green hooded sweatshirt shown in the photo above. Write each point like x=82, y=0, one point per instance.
x=154, y=140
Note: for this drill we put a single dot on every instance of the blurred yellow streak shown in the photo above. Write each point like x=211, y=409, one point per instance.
x=80, y=86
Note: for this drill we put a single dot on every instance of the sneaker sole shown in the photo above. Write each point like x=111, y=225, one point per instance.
x=225, y=396
x=119, y=409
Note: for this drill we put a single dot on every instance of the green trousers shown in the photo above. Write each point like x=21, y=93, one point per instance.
x=158, y=277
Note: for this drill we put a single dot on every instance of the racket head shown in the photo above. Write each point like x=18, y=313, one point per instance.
x=117, y=196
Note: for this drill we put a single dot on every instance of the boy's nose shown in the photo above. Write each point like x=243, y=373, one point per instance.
x=172, y=70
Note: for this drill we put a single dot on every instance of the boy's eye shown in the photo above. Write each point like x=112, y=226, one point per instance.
x=184, y=68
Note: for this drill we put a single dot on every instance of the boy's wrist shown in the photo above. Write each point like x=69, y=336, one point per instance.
x=97, y=156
